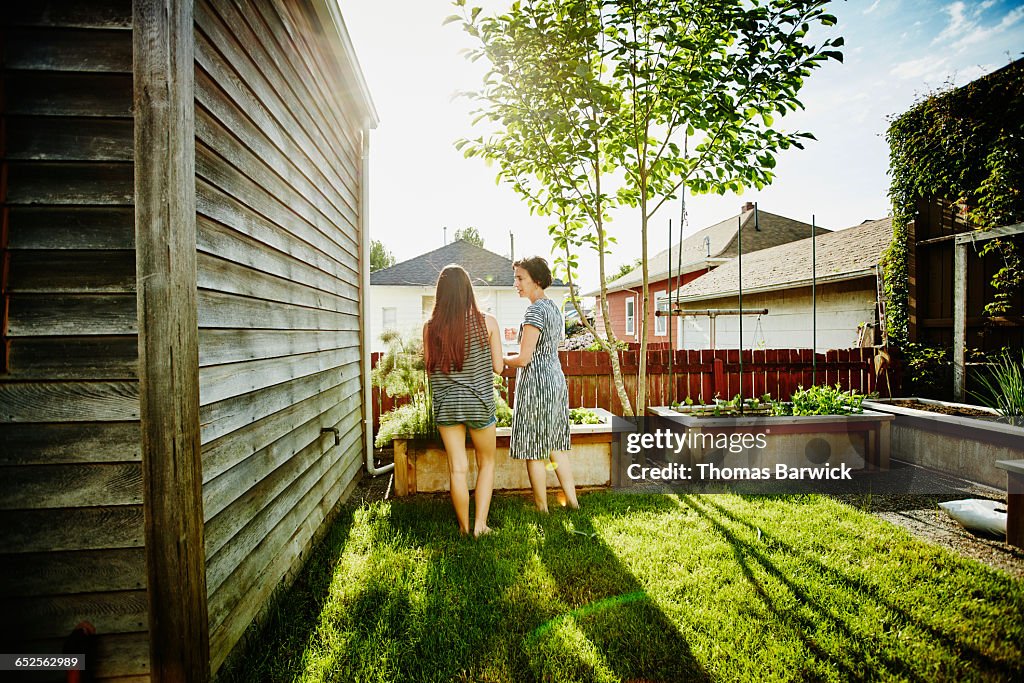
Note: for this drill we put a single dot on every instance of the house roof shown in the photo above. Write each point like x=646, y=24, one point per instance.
x=706, y=248
x=485, y=268
x=841, y=255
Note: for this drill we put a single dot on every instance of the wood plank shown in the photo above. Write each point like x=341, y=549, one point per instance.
x=67, y=49
x=250, y=146
x=55, y=616
x=335, y=227
x=61, y=138
x=287, y=489
x=106, y=358
x=227, y=451
x=239, y=249
x=95, y=272
x=69, y=402
x=226, y=416
x=224, y=276
x=165, y=220
x=219, y=382
x=71, y=315
x=26, y=444
x=231, y=346
x=80, y=571
x=301, y=39
x=285, y=567
x=259, y=79
x=67, y=486
x=46, y=182
x=245, y=561
x=220, y=310
x=272, y=205
x=61, y=94
x=91, y=528
x=245, y=477
x=225, y=210
x=92, y=228
x=77, y=13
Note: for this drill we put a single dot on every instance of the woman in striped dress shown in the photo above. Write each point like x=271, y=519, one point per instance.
x=462, y=350
x=540, y=416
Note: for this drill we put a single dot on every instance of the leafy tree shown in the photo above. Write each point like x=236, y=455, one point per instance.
x=380, y=257
x=471, y=235
x=626, y=268
x=659, y=95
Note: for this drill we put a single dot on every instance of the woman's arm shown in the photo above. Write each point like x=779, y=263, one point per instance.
x=527, y=346
x=494, y=339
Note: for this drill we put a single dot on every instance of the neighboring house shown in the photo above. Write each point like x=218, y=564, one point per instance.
x=701, y=252
x=402, y=296
x=184, y=383
x=779, y=279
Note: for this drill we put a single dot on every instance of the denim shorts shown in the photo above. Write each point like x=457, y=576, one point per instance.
x=470, y=425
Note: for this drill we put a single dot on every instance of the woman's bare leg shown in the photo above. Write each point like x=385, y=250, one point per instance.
x=563, y=469
x=485, y=446
x=454, y=438
x=537, y=469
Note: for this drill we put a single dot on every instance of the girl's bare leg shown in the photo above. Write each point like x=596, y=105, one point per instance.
x=454, y=438
x=485, y=447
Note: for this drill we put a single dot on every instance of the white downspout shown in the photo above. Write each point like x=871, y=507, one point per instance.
x=364, y=299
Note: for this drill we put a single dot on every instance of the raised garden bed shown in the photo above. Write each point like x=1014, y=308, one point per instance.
x=965, y=446
x=859, y=440
x=421, y=465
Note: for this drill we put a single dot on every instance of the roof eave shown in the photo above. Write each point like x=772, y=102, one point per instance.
x=839, y=277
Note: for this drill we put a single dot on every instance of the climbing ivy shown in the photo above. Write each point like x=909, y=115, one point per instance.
x=964, y=145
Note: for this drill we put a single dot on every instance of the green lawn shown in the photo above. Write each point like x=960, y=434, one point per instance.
x=638, y=588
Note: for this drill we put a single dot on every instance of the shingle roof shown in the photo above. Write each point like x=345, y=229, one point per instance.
x=841, y=255
x=484, y=267
x=721, y=243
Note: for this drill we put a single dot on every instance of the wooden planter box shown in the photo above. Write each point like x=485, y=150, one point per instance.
x=965, y=446
x=860, y=441
x=421, y=465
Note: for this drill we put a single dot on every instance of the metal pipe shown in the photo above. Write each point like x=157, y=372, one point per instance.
x=814, y=304
x=739, y=242
x=364, y=296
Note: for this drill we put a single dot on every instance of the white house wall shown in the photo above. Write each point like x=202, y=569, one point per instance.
x=841, y=308
x=501, y=302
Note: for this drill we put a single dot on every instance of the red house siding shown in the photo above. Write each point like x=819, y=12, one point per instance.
x=617, y=306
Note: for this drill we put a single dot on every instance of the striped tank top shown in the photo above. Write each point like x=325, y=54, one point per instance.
x=466, y=396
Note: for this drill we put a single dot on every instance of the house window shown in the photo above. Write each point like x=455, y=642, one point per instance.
x=390, y=315
x=630, y=315
x=661, y=321
x=428, y=307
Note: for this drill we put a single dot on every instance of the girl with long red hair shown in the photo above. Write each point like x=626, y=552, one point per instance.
x=462, y=350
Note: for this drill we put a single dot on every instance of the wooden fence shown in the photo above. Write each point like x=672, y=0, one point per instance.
x=702, y=375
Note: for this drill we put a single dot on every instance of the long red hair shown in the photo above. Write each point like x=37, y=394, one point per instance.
x=454, y=311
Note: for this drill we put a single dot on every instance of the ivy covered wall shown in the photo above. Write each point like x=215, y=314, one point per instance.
x=966, y=146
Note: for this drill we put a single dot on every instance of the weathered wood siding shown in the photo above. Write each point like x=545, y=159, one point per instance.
x=278, y=165
x=71, y=493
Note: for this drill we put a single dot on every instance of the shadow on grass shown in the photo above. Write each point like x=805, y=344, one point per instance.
x=859, y=646
x=396, y=594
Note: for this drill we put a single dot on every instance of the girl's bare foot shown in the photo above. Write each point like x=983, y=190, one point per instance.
x=482, y=532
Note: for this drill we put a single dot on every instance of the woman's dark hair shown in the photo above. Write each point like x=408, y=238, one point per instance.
x=444, y=348
x=538, y=269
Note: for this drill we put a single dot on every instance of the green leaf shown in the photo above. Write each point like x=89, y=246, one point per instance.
x=450, y=19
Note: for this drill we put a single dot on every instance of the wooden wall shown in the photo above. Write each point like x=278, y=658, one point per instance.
x=71, y=517
x=278, y=164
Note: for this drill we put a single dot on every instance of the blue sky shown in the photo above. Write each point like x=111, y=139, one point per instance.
x=896, y=51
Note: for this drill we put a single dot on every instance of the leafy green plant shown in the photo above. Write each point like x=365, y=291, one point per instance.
x=584, y=416
x=821, y=400
x=1003, y=387
x=619, y=344
x=401, y=373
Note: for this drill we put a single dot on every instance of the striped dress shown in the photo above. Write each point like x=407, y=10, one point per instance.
x=540, y=416
x=466, y=396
